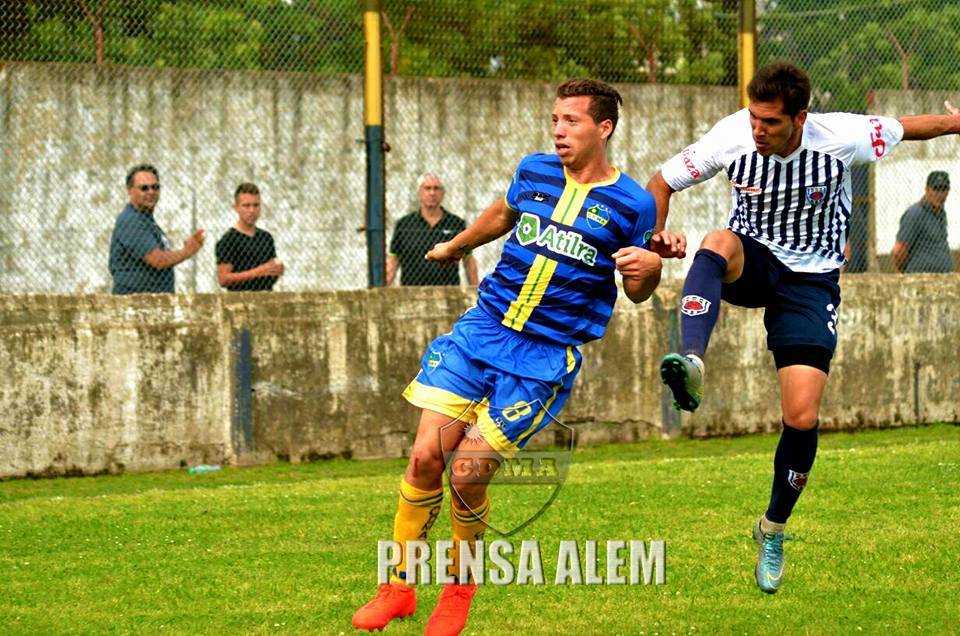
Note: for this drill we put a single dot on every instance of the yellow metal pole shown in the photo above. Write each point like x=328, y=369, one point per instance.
x=747, y=47
x=373, y=65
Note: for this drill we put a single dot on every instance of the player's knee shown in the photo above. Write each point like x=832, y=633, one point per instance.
x=717, y=241
x=801, y=418
x=426, y=463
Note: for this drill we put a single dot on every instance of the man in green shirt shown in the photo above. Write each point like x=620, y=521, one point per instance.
x=922, y=240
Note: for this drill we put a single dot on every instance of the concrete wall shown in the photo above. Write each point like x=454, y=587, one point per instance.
x=95, y=383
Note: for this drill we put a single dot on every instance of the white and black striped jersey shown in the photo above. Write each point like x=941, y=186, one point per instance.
x=798, y=206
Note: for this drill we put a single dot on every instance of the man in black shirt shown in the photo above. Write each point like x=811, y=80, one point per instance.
x=416, y=233
x=246, y=257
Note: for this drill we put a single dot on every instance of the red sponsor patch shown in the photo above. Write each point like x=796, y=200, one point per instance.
x=746, y=188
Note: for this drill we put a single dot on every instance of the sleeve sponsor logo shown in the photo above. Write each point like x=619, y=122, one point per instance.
x=876, y=138
x=686, y=155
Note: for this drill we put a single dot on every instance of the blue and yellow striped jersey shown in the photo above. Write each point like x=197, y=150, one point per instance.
x=555, y=278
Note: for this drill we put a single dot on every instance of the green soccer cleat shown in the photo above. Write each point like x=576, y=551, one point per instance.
x=769, y=571
x=684, y=376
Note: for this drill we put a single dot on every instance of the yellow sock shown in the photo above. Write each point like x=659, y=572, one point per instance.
x=416, y=512
x=469, y=526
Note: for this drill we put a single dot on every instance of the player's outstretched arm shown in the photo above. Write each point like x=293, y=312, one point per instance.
x=640, y=269
x=492, y=223
x=918, y=127
x=661, y=193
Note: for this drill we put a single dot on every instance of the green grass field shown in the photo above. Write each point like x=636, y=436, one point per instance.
x=292, y=548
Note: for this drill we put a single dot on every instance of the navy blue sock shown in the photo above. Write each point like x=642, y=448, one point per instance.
x=791, y=468
x=700, y=303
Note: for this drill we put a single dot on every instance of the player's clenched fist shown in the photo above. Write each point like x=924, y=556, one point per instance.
x=669, y=244
x=445, y=253
x=636, y=262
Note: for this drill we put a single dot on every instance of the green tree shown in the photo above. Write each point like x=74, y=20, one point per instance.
x=681, y=41
x=192, y=35
x=865, y=45
x=677, y=41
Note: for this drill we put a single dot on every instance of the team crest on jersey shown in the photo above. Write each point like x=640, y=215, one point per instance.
x=815, y=194
x=597, y=216
x=693, y=305
x=434, y=360
x=798, y=480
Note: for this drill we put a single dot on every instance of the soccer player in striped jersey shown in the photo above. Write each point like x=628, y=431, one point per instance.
x=507, y=368
x=782, y=250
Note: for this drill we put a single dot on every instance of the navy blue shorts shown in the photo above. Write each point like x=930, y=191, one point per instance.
x=800, y=309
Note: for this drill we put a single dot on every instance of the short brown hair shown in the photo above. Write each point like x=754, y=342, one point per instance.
x=245, y=188
x=781, y=80
x=140, y=167
x=604, y=99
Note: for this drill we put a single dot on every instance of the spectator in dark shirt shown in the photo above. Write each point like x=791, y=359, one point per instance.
x=922, y=239
x=416, y=233
x=141, y=260
x=246, y=256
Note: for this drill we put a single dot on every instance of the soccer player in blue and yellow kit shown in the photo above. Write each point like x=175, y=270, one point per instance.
x=508, y=366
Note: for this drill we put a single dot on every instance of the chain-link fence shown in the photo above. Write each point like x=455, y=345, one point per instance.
x=894, y=58
x=214, y=93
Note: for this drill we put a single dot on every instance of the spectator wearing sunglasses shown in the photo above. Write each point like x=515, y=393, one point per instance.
x=922, y=239
x=141, y=259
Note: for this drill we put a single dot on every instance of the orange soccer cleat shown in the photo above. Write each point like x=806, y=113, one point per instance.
x=393, y=600
x=450, y=615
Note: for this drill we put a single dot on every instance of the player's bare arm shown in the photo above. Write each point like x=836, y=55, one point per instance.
x=492, y=223
x=640, y=269
x=661, y=194
x=918, y=127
